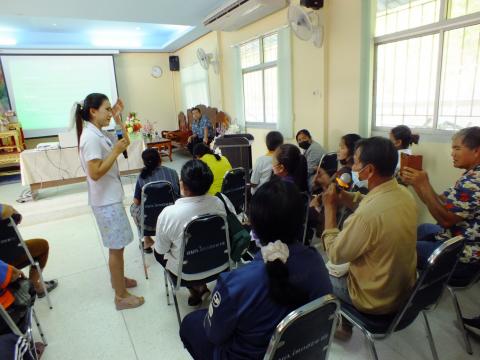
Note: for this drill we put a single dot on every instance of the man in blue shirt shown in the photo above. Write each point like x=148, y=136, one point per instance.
x=202, y=130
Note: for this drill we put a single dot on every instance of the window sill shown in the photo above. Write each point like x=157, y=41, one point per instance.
x=268, y=126
x=426, y=135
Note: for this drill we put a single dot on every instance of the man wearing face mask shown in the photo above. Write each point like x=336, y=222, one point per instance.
x=378, y=239
x=312, y=151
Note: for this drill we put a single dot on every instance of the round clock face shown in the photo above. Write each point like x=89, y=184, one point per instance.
x=157, y=71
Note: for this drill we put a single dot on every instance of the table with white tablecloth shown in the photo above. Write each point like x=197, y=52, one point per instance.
x=54, y=167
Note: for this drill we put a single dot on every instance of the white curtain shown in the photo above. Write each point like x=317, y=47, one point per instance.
x=238, y=89
x=285, y=106
x=194, y=80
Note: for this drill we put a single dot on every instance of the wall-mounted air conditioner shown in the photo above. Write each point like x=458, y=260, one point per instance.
x=238, y=13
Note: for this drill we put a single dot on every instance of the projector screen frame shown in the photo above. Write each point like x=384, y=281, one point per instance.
x=53, y=132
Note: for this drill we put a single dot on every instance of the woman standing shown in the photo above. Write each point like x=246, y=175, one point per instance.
x=98, y=155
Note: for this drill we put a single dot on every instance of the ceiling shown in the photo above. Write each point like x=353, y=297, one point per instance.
x=142, y=25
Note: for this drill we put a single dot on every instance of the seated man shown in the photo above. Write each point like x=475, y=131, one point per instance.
x=457, y=210
x=195, y=180
x=378, y=239
x=38, y=248
x=202, y=130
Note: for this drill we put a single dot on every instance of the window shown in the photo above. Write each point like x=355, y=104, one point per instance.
x=427, y=64
x=194, y=80
x=258, y=59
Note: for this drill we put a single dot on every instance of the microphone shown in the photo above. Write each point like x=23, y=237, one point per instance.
x=343, y=181
x=120, y=137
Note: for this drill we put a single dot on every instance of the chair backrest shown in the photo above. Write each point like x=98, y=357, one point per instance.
x=234, y=187
x=306, y=199
x=431, y=283
x=329, y=163
x=205, y=247
x=156, y=196
x=305, y=333
x=11, y=243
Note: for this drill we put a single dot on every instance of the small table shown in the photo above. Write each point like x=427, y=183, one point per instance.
x=163, y=145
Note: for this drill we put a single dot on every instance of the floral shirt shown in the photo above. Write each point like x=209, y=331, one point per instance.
x=202, y=123
x=464, y=200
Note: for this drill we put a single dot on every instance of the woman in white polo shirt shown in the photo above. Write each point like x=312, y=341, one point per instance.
x=98, y=155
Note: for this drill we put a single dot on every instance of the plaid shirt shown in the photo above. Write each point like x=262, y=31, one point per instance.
x=464, y=200
x=202, y=123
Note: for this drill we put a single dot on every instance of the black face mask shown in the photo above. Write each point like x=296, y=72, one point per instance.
x=304, y=145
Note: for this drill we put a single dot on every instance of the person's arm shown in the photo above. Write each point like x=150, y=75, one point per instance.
x=163, y=241
x=205, y=134
x=116, y=113
x=9, y=274
x=137, y=195
x=350, y=199
x=435, y=203
x=98, y=167
x=350, y=243
x=221, y=319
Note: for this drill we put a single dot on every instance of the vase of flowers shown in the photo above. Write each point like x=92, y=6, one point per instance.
x=133, y=124
x=148, y=130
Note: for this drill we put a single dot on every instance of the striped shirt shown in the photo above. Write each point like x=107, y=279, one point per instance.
x=160, y=173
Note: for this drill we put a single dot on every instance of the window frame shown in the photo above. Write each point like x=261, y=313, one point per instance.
x=262, y=66
x=442, y=25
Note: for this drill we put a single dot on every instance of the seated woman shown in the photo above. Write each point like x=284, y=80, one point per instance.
x=153, y=171
x=195, y=180
x=219, y=165
x=249, y=302
x=38, y=248
x=402, y=138
x=291, y=166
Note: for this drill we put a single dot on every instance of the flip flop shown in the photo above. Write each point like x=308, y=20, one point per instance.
x=129, y=302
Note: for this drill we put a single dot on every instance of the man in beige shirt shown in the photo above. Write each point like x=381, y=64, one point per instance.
x=378, y=239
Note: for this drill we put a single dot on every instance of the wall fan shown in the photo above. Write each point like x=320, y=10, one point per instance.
x=306, y=25
x=205, y=59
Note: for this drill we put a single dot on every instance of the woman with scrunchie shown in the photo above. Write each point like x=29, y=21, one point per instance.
x=248, y=303
x=152, y=171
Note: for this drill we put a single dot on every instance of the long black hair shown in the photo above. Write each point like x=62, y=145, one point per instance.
x=295, y=163
x=404, y=134
x=276, y=213
x=82, y=111
x=201, y=149
x=151, y=159
x=350, y=140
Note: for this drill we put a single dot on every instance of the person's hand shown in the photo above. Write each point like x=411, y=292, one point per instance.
x=416, y=178
x=330, y=196
x=205, y=141
x=17, y=274
x=120, y=146
x=117, y=108
x=190, y=138
x=321, y=178
x=316, y=201
x=8, y=211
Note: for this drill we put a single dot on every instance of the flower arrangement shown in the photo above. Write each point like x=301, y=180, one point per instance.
x=133, y=124
x=148, y=130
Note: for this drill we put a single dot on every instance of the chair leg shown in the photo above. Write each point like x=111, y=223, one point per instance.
x=430, y=337
x=176, y=305
x=458, y=311
x=140, y=246
x=371, y=346
x=166, y=287
x=47, y=295
x=40, y=330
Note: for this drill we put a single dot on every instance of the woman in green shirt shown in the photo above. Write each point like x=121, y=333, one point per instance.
x=219, y=165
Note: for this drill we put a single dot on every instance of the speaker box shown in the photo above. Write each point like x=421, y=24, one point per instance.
x=174, y=63
x=312, y=4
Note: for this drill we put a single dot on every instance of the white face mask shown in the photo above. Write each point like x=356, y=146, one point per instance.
x=356, y=179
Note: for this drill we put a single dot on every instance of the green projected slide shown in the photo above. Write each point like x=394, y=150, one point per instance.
x=43, y=88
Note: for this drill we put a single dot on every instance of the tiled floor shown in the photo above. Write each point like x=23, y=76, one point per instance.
x=84, y=324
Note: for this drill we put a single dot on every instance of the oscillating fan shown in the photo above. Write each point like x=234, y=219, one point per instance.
x=206, y=59
x=306, y=26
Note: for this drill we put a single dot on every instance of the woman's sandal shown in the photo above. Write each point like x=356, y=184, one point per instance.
x=129, y=302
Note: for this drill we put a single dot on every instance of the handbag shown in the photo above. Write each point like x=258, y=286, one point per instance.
x=239, y=236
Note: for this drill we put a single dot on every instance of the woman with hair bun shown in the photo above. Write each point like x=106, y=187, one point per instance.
x=152, y=171
x=249, y=302
x=98, y=152
x=402, y=138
